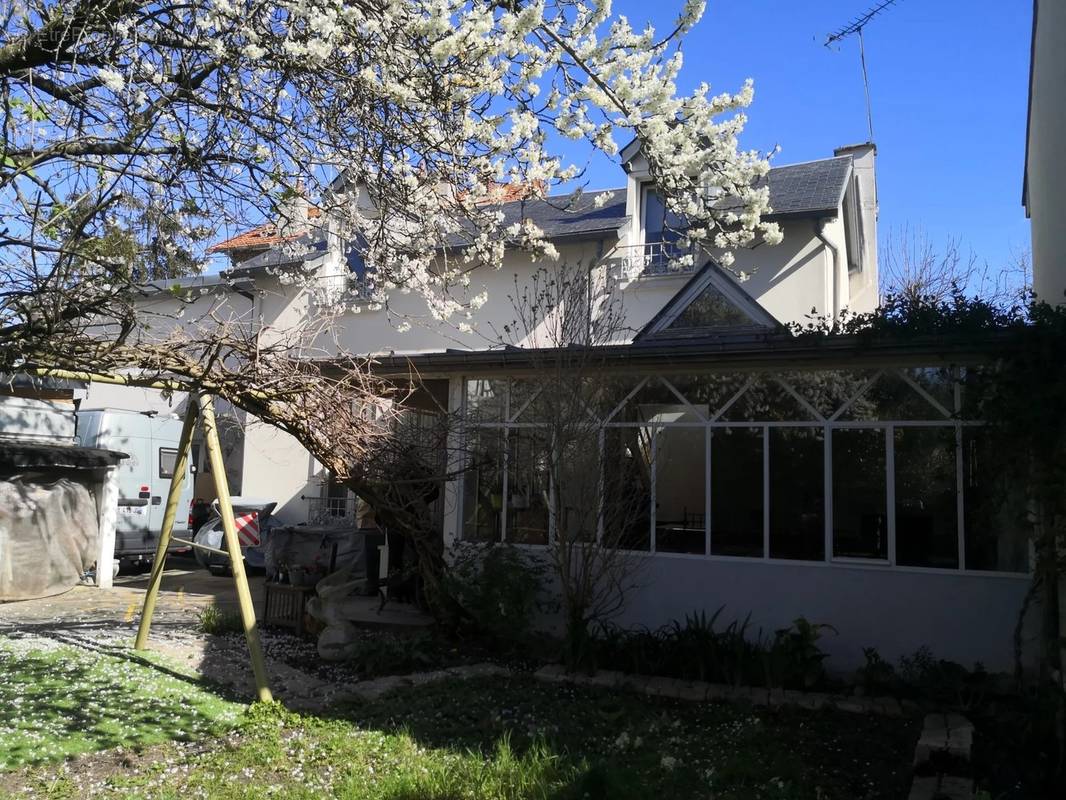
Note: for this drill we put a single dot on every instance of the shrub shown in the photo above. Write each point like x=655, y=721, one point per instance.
x=695, y=650
x=499, y=586
x=793, y=659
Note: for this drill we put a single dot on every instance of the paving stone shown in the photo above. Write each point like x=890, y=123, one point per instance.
x=924, y=789
x=372, y=690
x=954, y=788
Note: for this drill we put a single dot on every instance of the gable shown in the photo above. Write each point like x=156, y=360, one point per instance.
x=709, y=303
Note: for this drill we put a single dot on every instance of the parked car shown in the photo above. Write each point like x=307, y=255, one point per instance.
x=254, y=523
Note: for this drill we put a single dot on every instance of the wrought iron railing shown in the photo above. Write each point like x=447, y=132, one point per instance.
x=653, y=258
x=341, y=288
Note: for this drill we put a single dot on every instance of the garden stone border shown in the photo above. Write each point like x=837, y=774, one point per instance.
x=700, y=691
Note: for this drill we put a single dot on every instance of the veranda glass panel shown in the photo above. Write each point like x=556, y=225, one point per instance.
x=579, y=488
x=680, y=490
x=485, y=400
x=797, y=493
x=764, y=401
x=652, y=403
x=709, y=392
x=892, y=398
x=994, y=508
x=927, y=532
x=627, y=488
x=737, y=491
x=527, y=486
x=828, y=390
x=860, y=519
x=483, y=485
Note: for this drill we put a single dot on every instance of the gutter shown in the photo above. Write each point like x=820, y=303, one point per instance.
x=834, y=281
x=752, y=351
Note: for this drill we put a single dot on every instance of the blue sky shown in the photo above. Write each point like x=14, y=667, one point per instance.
x=948, y=82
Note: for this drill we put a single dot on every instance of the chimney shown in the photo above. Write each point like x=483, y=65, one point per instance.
x=293, y=212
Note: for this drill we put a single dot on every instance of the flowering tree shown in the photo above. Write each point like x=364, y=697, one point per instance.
x=134, y=129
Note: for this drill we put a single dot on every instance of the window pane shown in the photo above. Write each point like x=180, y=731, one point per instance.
x=711, y=309
x=659, y=224
x=892, y=398
x=994, y=508
x=828, y=390
x=680, y=490
x=927, y=533
x=766, y=400
x=711, y=391
x=860, y=520
x=652, y=403
x=627, y=488
x=527, y=486
x=797, y=493
x=483, y=485
x=737, y=492
x=167, y=459
x=485, y=400
x=579, y=490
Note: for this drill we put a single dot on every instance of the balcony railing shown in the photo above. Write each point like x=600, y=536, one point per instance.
x=653, y=258
x=329, y=511
x=342, y=288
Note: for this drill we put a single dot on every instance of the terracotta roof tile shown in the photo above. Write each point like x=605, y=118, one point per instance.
x=260, y=238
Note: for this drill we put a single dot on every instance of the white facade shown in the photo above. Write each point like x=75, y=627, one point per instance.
x=950, y=601
x=1044, y=192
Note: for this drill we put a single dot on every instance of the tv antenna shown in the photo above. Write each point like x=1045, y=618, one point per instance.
x=854, y=28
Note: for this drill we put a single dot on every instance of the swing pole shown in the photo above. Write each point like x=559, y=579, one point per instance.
x=233, y=545
x=177, y=480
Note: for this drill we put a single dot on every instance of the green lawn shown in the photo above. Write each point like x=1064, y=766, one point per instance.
x=514, y=739
x=62, y=702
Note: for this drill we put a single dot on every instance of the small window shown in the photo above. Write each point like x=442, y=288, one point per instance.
x=852, y=228
x=660, y=224
x=168, y=457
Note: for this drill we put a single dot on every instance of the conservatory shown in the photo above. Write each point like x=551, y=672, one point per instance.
x=848, y=481
x=872, y=466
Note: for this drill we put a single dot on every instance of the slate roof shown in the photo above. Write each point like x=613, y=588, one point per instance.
x=566, y=216
x=809, y=189
x=815, y=186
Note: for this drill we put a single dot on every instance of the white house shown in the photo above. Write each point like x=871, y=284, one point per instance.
x=1044, y=181
x=774, y=475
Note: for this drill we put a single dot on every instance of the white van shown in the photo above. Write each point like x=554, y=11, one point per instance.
x=151, y=440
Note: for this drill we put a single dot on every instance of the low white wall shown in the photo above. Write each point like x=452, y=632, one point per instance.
x=960, y=617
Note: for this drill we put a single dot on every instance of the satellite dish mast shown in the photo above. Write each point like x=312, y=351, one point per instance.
x=855, y=28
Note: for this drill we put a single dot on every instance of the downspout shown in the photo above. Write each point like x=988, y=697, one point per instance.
x=834, y=281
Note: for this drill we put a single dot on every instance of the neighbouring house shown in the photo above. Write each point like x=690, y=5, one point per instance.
x=1044, y=179
x=772, y=474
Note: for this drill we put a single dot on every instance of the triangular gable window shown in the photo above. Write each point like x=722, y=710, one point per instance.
x=710, y=309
